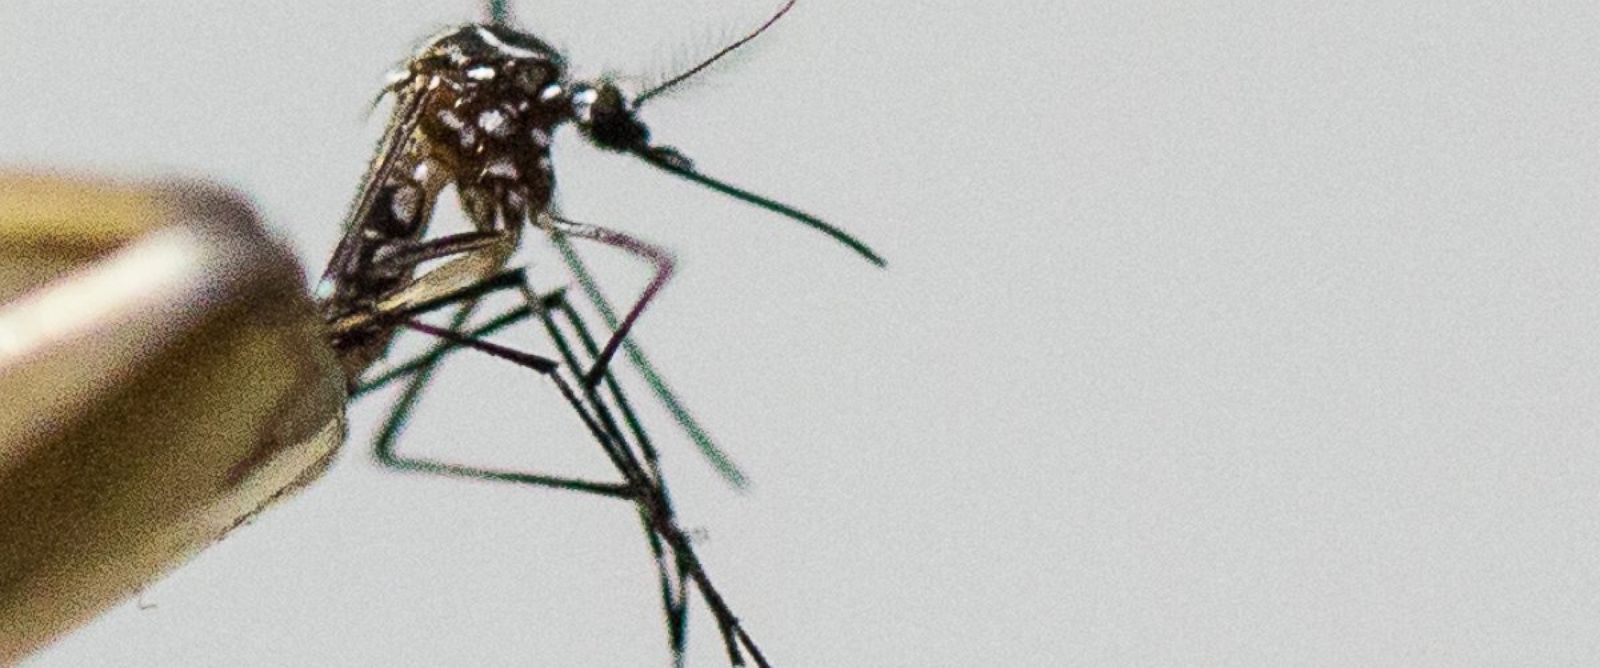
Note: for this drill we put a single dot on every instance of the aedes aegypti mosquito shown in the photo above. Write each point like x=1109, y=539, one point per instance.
x=475, y=109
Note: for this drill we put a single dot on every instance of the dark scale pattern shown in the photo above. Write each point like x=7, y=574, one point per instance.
x=482, y=134
x=485, y=101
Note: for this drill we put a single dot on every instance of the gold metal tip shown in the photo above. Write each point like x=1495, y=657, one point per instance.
x=163, y=377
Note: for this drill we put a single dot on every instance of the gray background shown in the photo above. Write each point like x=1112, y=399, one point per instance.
x=1212, y=334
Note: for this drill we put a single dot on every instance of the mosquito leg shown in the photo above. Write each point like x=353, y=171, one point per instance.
x=677, y=565
x=466, y=300
x=670, y=570
x=549, y=369
x=548, y=311
x=547, y=307
x=650, y=495
x=702, y=439
x=384, y=445
x=673, y=582
x=660, y=257
x=419, y=369
x=658, y=516
x=426, y=361
x=656, y=510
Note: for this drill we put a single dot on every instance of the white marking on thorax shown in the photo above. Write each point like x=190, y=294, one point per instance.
x=505, y=48
x=493, y=122
x=501, y=168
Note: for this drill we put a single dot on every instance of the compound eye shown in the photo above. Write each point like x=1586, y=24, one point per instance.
x=606, y=117
x=606, y=105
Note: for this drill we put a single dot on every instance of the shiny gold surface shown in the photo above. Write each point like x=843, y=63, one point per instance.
x=162, y=378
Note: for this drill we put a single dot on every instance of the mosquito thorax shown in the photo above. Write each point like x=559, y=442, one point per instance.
x=491, y=98
x=485, y=56
x=501, y=75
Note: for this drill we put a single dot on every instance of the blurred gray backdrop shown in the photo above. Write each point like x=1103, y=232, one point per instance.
x=1213, y=333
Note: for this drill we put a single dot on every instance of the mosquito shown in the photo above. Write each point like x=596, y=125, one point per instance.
x=475, y=109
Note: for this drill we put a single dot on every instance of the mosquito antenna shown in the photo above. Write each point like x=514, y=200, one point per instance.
x=669, y=160
x=640, y=99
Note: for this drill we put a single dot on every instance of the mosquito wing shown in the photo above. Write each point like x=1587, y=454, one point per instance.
x=396, y=138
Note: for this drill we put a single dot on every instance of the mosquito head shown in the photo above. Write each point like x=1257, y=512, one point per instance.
x=606, y=116
x=478, y=56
